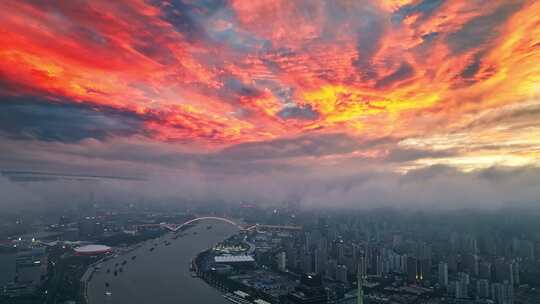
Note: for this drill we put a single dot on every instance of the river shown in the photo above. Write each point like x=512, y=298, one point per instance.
x=161, y=275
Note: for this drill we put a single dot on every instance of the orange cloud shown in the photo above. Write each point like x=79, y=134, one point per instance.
x=224, y=73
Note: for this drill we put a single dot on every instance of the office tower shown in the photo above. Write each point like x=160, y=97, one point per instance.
x=514, y=268
x=424, y=252
x=292, y=257
x=403, y=263
x=331, y=266
x=396, y=241
x=362, y=267
x=424, y=272
x=462, y=285
x=443, y=274
x=464, y=277
x=340, y=252
x=307, y=241
x=395, y=262
x=470, y=245
x=360, y=277
x=341, y=274
x=355, y=255
x=379, y=265
x=452, y=262
x=281, y=259
x=386, y=266
x=320, y=259
x=307, y=263
x=502, y=293
x=482, y=288
x=461, y=290
x=323, y=244
x=471, y=264
x=504, y=271
x=484, y=270
x=323, y=226
x=412, y=270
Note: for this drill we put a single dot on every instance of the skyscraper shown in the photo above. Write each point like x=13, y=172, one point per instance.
x=502, y=293
x=360, y=277
x=482, y=288
x=412, y=270
x=281, y=261
x=514, y=268
x=443, y=274
x=341, y=274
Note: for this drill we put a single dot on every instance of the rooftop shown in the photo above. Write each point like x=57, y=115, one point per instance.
x=233, y=259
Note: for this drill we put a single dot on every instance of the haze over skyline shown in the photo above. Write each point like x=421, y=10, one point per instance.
x=406, y=103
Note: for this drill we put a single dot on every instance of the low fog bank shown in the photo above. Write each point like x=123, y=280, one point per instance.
x=436, y=188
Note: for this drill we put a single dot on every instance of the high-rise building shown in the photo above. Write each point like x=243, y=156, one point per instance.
x=355, y=256
x=341, y=274
x=397, y=240
x=281, y=261
x=504, y=271
x=464, y=277
x=482, y=288
x=443, y=274
x=307, y=263
x=403, y=263
x=323, y=226
x=340, y=252
x=412, y=270
x=471, y=264
x=502, y=293
x=331, y=266
x=461, y=290
x=470, y=245
x=362, y=267
x=484, y=270
x=379, y=265
x=514, y=268
x=462, y=285
x=452, y=262
x=307, y=241
x=292, y=257
x=320, y=259
x=360, y=277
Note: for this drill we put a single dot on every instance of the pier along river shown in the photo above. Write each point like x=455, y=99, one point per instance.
x=161, y=274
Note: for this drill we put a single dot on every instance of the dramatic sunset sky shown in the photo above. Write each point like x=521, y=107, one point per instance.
x=322, y=102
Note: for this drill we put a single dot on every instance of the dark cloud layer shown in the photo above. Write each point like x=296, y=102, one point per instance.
x=481, y=30
x=35, y=118
x=403, y=72
x=426, y=8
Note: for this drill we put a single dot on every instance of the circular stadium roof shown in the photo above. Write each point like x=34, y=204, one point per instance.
x=92, y=249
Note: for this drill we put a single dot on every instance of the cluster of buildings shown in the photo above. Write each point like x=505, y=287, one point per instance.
x=24, y=267
x=336, y=261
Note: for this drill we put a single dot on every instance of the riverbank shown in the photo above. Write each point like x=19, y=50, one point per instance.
x=160, y=272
